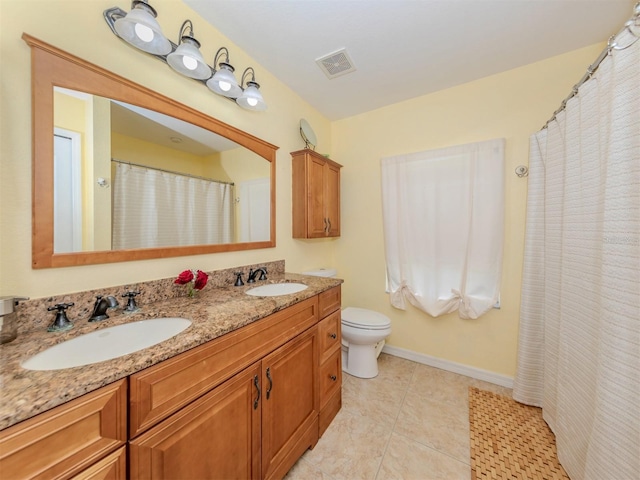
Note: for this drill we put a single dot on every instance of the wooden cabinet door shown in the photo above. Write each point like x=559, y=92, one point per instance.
x=332, y=199
x=317, y=218
x=290, y=403
x=67, y=439
x=215, y=437
x=112, y=467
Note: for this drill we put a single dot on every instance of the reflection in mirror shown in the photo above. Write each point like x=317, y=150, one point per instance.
x=104, y=128
x=127, y=177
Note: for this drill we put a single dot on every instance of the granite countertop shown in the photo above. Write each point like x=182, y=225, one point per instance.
x=213, y=313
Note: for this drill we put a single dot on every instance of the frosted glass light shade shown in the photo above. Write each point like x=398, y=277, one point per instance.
x=224, y=82
x=140, y=29
x=251, y=98
x=187, y=60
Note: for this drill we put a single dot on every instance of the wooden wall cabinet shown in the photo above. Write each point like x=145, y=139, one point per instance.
x=316, y=195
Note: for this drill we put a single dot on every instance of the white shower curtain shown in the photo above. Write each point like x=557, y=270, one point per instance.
x=443, y=216
x=153, y=208
x=579, y=346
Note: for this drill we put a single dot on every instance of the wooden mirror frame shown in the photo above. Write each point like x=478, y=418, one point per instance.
x=51, y=67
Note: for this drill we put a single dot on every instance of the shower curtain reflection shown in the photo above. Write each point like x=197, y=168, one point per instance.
x=153, y=208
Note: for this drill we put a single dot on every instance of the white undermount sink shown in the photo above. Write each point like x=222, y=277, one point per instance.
x=106, y=344
x=276, y=289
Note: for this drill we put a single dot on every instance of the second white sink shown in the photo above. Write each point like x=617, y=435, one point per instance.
x=276, y=289
x=106, y=344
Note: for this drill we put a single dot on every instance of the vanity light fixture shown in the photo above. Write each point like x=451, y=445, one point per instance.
x=140, y=29
x=187, y=59
x=224, y=81
x=251, y=98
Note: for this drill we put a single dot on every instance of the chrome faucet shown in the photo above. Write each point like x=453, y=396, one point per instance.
x=101, y=306
x=254, y=273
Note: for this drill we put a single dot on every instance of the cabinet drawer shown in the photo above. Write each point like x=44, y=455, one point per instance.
x=330, y=377
x=329, y=411
x=329, y=335
x=66, y=439
x=163, y=389
x=112, y=467
x=330, y=301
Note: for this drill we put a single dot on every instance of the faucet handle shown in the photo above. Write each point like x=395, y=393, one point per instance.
x=61, y=321
x=252, y=274
x=239, y=281
x=263, y=273
x=131, y=302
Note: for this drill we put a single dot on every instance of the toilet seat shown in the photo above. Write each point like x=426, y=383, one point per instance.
x=365, y=319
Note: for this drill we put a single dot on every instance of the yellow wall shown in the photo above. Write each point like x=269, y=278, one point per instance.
x=78, y=28
x=513, y=105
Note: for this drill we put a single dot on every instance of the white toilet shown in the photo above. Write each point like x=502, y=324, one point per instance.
x=363, y=336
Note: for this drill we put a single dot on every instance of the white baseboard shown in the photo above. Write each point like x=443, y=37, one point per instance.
x=477, y=373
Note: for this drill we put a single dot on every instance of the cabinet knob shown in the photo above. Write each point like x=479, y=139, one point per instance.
x=333, y=335
x=333, y=378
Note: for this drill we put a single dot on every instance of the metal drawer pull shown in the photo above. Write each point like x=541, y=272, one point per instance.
x=270, y=382
x=256, y=382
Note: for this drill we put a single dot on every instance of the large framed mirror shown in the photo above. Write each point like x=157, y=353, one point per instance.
x=123, y=173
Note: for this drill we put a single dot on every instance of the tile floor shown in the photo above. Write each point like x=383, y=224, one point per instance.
x=411, y=422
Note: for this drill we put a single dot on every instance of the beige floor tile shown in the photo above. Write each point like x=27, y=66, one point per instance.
x=440, y=385
x=304, y=470
x=351, y=448
x=437, y=424
x=409, y=460
x=375, y=400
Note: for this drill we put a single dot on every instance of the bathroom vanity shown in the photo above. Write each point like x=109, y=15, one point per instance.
x=245, y=404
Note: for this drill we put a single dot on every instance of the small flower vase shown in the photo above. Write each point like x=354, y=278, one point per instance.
x=191, y=292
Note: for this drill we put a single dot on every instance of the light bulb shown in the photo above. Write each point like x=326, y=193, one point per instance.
x=190, y=62
x=252, y=101
x=224, y=86
x=143, y=32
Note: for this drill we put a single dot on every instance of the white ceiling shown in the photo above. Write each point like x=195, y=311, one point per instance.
x=403, y=48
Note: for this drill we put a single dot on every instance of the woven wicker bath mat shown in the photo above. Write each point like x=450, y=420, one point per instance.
x=510, y=440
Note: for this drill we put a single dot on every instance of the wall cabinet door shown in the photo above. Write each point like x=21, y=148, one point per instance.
x=216, y=436
x=290, y=403
x=316, y=195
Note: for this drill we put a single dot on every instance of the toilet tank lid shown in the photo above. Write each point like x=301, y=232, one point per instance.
x=322, y=272
x=364, y=317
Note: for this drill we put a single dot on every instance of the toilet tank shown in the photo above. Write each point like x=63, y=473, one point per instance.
x=322, y=272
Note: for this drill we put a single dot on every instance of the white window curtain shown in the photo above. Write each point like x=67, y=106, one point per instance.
x=579, y=345
x=443, y=216
x=153, y=208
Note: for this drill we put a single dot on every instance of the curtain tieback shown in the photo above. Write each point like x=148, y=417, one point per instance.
x=397, y=296
x=464, y=301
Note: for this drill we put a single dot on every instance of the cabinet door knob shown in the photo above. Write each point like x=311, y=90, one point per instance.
x=333, y=377
x=333, y=335
x=256, y=382
x=270, y=382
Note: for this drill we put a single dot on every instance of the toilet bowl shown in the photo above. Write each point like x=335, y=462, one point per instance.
x=363, y=336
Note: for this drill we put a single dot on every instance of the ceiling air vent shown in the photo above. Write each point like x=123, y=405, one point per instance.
x=335, y=64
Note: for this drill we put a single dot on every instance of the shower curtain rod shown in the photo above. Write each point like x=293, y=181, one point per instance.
x=169, y=171
x=634, y=21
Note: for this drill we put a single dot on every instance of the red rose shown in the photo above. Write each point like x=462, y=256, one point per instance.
x=201, y=280
x=184, y=278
